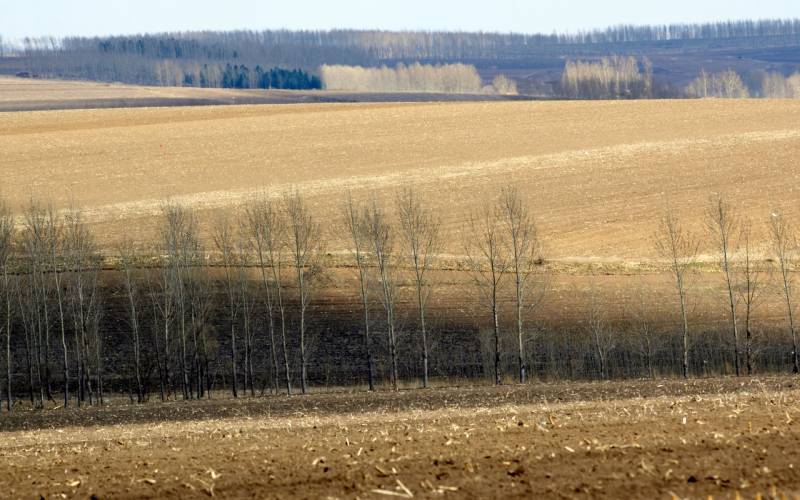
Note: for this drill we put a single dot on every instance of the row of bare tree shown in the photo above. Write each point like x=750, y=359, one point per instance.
x=614, y=77
x=777, y=86
x=742, y=268
x=446, y=78
x=175, y=304
x=725, y=85
x=53, y=287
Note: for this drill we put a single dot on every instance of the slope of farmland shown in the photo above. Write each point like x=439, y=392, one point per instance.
x=597, y=174
x=650, y=439
x=25, y=94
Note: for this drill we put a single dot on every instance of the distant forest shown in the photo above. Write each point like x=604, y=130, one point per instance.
x=239, y=59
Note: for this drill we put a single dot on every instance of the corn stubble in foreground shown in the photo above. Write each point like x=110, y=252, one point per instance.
x=721, y=438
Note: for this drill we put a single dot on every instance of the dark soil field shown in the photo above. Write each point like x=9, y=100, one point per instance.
x=709, y=438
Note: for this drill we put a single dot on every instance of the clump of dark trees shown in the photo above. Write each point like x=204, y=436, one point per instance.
x=178, y=318
x=241, y=77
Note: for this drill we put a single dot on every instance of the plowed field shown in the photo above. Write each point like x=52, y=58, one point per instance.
x=665, y=439
x=597, y=174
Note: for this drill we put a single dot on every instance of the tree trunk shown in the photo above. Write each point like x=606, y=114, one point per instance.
x=685, y=332
x=496, y=320
x=63, y=334
x=367, y=344
x=160, y=367
x=734, y=324
x=9, y=395
x=520, y=341
x=303, y=361
x=393, y=351
x=421, y=303
x=795, y=365
x=78, y=372
x=233, y=359
x=748, y=343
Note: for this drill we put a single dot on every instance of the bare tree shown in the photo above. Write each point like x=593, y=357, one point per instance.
x=54, y=229
x=94, y=317
x=267, y=229
x=724, y=227
x=784, y=244
x=247, y=299
x=163, y=301
x=752, y=271
x=6, y=250
x=28, y=307
x=381, y=237
x=305, y=247
x=40, y=237
x=676, y=244
x=449, y=78
x=726, y=84
x=81, y=259
x=355, y=218
x=198, y=293
x=128, y=257
x=179, y=238
x=488, y=260
x=420, y=229
x=642, y=318
x=525, y=251
x=223, y=238
x=602, y=335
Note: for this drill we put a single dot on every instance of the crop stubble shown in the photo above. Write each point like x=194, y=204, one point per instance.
x=614, y=439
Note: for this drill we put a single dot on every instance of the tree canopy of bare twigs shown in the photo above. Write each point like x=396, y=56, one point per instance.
x=6, y=248
x=419, y=226
x=267, y=228
x=488, y=259
x=725, y=228
x=305, y=247
x=355, y=218
x=129, y=264
x=382, y=241
x=784, y=246
x=223, y=234
x=525, y=251
x=752, y=274
x=679, y=247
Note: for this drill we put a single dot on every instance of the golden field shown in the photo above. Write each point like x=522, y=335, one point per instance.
x=597, y=174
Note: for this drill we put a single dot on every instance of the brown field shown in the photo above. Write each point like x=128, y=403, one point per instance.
x=23, y=94
x=597, y=174
x=711, y=438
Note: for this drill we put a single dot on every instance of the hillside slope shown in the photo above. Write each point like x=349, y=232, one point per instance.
x=597, y=174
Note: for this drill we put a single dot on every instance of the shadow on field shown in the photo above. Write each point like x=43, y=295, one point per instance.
x=119, y=412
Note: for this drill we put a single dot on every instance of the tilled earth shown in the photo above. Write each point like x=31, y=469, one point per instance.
x=724, y=438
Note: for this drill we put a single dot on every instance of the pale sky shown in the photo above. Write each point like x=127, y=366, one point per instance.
x=19, y=18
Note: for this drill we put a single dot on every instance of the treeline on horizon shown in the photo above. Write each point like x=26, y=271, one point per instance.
x=200, y=58
x=236, y=305
x=377, y=46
